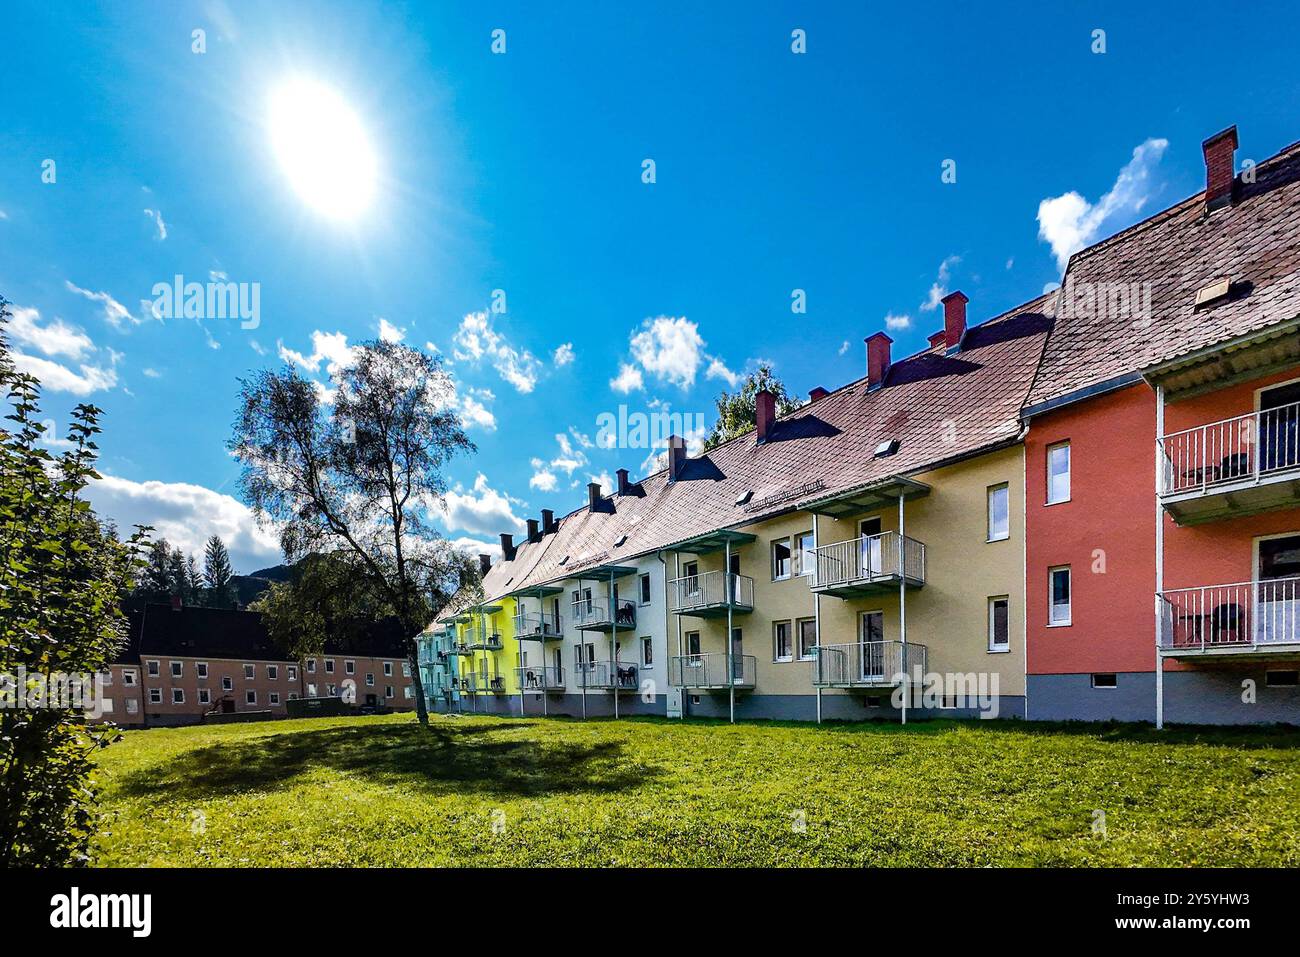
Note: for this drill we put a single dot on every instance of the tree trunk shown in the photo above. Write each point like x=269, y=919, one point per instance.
x=421, y=708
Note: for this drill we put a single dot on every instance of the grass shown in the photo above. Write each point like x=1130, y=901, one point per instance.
x=384, y=791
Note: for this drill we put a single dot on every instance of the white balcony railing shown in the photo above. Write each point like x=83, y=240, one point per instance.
x=871, y=558
x=1245, y=615
x=540, y=678
x=608, y=674
x=712, y=670
x=866, y=663
x=710, y=590
x=1249, y=447
x=595, y=614
x=539, y=626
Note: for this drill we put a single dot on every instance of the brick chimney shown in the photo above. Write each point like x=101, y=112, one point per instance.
x=507, y=546
x=624, y=486
x=484, y=564
x=817, y=393
x=764, y=414
x=877, y=359
x=533, y=531
x=1220, y=168
x=593, y=496
x=548, y=521
x=939, y=338
x=954, y=319
x=676, y=456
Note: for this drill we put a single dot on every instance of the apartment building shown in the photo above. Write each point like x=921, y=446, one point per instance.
x=182, y=664
x=1163, y=544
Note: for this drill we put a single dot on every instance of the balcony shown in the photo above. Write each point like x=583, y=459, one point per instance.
x=712, y=671
x=486, y=683
x=1232, y=468
x=869, y=565
x=462, y=648
x=866, y=664
x=540, y=678
x=1226, y=621
x=486, y=643
x=711, y=595
x=608, y=675
x=596, y=615
x=539, y=627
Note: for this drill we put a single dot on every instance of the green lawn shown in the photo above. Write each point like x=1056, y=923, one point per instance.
x=383, y=791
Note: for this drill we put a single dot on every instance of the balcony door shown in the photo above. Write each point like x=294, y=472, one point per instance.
x=871, y=648
x=1279, y=427
x=733, y=580
x=1277, y=597
x=869, y=529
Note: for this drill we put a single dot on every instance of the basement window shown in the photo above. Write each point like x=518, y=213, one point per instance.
x=1105, y=681
x=1282, y=679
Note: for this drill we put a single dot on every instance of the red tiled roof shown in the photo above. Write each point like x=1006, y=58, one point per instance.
x=1255, y=242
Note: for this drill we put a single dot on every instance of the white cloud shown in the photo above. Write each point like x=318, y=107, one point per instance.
x=1011, y=262
x=389, y=332
x=605, y=481
x=58, y=378
x=475, y=547
x=543, y=478
x=896, y=322
x=152, y=373
x=718, y=370
x=563, y=355
x=115, y=314
x=482, y=510
x=939, y=288
x=1069, y=222
x=476, y=340
x=844, y=347
x=669, y=348
x=156, y=216
x=569, y=459
x=629, y=379
x=186, y=515
x=474, y=411
x=329, y=347
x=3, y=214
x=54, y=338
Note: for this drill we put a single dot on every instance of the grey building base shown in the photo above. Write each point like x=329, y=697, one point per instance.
x=599, y=704
x=1190, y=697
x=838, y=707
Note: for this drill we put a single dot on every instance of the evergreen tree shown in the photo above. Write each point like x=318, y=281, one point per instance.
x=217, y=574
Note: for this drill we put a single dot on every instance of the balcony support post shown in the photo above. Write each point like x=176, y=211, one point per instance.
x=902, y=602
x=1160, y=559
x=731, y=660
x=582, y=652
x=817, y=619
x=613, y=640
x=677, y=576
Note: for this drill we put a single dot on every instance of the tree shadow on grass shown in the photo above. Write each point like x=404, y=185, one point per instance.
x=437, y=759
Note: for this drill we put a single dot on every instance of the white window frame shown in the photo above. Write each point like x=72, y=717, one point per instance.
x=329, y=666
x=406, y=669
x=291, y=672
x=1005, y=488
x=205, y=696
x=178, y=696
x=155, y=695
x=1092, y=680
x=370, y=679
x=789, y=640
x=388, y=693
x=273, y=697
x=644, y=590
x=797, y=553
x=788, y=542
x=227, y=683
x=177, y=668
x=993, y=647
x=132, y=706
x=250, y=672
x=272, y=672
x=695, y=637
x=1069, y=469
x=311, y=666
x=128, y=678
x=201, y=669
x=1051, y=592
x=798, y=633
x=153, y=668
x=250, y=696
x=349, y=667
x=388, y=669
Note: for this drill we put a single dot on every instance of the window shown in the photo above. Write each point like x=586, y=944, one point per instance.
x=293, y=696
x=349, y=667
x=128, y=678
x=1059, y=595
x=291, y=672
x=311, y=691
x=406, y=669
x=782, y=647
x=408, y=692
x=132, y=706
x=781, y=559
x=370, y=679
x=1058, y=473
x=999, y=518
x=155, y=695
x=999, y=637
x=807, y=637
x=388, y=691
x=805, y=557
x=178, y=668
x=205, y=696
x=332, y=691
x=250, y=671
x=388, y=669
x=178, y=696
x=201, y=668
x=329, y=666
x=106, y=676
x=153, y=668
x=250, y=697
x=1105, y=681
x=644, y=593
x=311, y=666
x=1281, y=679
x=274, y=697
x=273, y=672
x=227, y=683
x=647, y=652
x=692, y=642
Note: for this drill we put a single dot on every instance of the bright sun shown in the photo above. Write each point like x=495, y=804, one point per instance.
x=323, y=148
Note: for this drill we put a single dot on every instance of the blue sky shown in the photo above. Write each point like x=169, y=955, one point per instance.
x=522, y=172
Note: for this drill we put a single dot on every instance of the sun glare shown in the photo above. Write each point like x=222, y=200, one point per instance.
x=323, y=148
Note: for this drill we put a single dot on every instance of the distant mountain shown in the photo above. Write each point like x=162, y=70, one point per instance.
x=249, y=588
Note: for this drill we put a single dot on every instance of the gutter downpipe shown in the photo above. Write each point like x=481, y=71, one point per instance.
x=902, y=601
x=681, y=664
x=613, y=640
x=731, y=660
x=817, y=623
